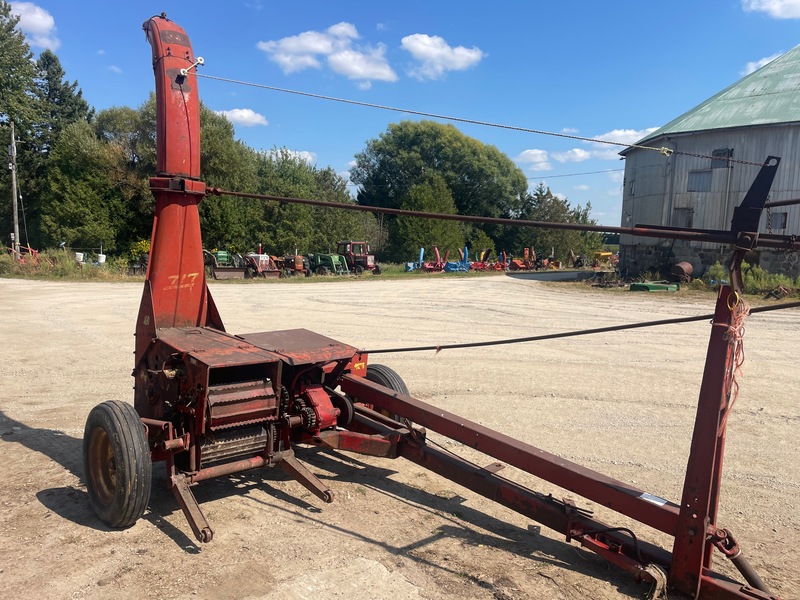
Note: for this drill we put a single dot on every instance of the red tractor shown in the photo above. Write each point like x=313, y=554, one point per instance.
x=358, y=257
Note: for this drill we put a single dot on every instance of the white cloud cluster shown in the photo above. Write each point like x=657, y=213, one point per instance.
x=757, y=64
x=337, y=49
x=37, y=24
x=777, y=9
x=334, y=47
x=245, y=117
x=535, y=159
x=539, y=160
x=436, y=57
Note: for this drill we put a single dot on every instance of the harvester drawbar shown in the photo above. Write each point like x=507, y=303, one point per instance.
x=208, y=403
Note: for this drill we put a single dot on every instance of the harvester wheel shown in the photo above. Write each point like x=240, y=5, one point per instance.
x=323, y=271
x=389, y=378
x=376, y=270
x=358, y=269
x=116, y=463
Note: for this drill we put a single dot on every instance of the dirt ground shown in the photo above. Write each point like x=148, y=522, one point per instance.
x=621, y=403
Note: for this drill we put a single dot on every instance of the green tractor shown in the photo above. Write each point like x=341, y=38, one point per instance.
x=328, y=264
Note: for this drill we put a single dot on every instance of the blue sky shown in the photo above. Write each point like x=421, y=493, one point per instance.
x=609, y=70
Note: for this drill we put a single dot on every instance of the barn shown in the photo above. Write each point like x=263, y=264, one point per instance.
x=713, y=157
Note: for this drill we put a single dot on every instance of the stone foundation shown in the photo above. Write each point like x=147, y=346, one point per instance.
x=638, y=259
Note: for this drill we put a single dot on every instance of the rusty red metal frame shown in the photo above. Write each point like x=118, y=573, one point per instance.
x=178, y=316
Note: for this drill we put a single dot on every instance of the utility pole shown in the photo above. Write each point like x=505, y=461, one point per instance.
x=12, y=150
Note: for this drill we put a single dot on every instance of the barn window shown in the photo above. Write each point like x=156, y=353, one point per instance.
x=719, y=158
x=682, y=217
x=699, y=181
x=777, y=220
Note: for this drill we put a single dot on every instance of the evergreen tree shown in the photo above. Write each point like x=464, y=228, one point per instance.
x=17, y=103
x=543, y=205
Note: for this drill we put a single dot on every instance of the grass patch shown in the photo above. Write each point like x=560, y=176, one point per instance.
x=61, y=264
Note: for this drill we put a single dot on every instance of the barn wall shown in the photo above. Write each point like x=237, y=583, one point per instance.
x=658, y=192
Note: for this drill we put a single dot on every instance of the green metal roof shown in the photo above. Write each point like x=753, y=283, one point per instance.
x=767, y=96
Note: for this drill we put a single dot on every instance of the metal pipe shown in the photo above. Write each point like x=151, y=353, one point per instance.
x=718, y=237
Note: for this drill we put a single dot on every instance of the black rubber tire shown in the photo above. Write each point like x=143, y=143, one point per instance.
x=358, y=269
x=386, y=377
x=323, y=271
x=389, y=378
x=376, y=270
x=116, y=463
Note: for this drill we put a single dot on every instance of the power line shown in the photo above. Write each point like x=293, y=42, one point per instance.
x=662, y=150
x=575, y=174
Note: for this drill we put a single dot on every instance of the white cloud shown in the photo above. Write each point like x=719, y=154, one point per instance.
x=537, y=160
x=343, y=30
x=101, y=52
x=777, y=9
x=436, y=56
x=334, y=47
x=574, y=155
x=37, y=24
x=305, y=155
x=757, y=64
x=115, y=69
x=362, y=66
x=624, y=136
x=560, y=196
x=569, y=130
x=243, y=116
x=582, y=187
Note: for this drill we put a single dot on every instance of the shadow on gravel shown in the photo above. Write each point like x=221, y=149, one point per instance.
x=70, y=503
x=471, y=526
x=55, y=445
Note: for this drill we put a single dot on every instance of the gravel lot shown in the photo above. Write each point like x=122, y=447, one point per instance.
x=622, y=403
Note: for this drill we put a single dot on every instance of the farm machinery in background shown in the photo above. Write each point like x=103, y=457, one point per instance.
x=358, y=257
x=290, y=265
x=328, y=264
x=458, y=266
x=208, y=403
x=221, y=264
x=481, y=262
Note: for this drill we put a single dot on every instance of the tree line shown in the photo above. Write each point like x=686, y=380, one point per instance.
x=83, y=179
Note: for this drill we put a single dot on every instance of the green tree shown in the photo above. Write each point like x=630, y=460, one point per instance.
x=17, y=100
x=413, y=233
x=127, y=133
x=482, y=180
x=82, y=205
x=17, y=73
x=60, y=103
x=543, y=205
x=225, y=162
x=288, y=227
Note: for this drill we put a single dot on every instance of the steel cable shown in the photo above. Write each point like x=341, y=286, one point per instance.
x=567, y=334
